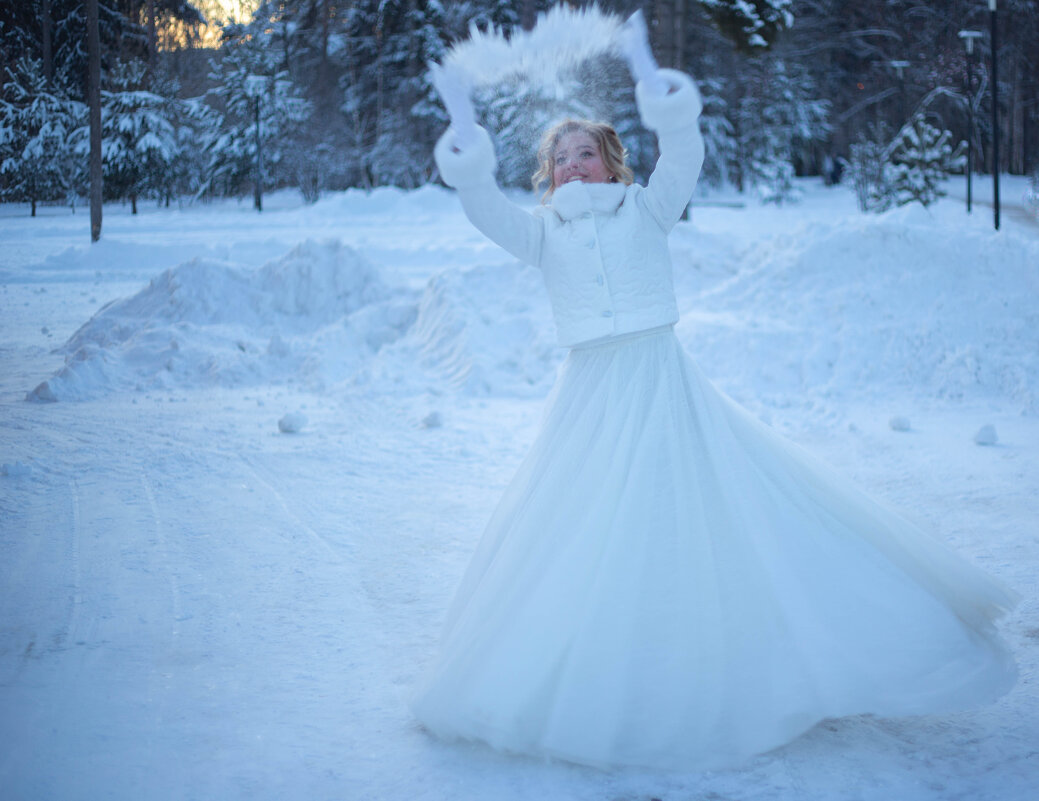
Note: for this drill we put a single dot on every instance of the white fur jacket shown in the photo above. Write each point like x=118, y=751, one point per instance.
x=602, y=247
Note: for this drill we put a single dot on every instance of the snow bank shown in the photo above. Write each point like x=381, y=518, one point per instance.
x=848, y=306
x=387, y=202
x=319, y=317
x=311, y=317
x=865, y=305
x=479, y=331
x=122, y=259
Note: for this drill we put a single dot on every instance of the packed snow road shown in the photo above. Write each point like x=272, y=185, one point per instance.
x=196, y=605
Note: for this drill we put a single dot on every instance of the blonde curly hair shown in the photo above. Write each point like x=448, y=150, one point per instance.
x=605, y=137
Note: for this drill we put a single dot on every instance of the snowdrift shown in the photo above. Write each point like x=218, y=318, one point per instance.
x=309, y=316
x=859, y=307
x=485, y=330
x=320, y=316
x=869, y=304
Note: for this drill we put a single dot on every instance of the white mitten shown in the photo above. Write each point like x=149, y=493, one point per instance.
x=452, y=83
x=465, y=166
x=678, y=106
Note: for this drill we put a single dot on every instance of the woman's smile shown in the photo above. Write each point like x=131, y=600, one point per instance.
x=577, y=158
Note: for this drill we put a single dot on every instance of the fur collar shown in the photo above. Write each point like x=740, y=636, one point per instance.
x=575, y=198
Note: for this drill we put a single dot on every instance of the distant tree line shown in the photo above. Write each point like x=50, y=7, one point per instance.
x=334, y=93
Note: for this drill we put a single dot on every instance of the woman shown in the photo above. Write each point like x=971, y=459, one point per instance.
x=667, y=582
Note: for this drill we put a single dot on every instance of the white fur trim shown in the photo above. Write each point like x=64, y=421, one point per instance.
x=575, y=198
x=677, y=109
x=470, y=167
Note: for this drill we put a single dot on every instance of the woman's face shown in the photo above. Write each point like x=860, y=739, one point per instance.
x=577, y=158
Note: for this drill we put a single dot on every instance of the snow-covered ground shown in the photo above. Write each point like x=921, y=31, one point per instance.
x=196, y=604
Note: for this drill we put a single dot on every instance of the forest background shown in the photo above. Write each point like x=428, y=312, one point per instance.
x=206, y=98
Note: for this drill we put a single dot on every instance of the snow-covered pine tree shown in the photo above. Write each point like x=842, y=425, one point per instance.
x=387, y=92
x=720, y=145
x=138, y=140
x=195, y=123
x=249, y=74
x=922, y=158
x=751, y=25
x=869, y=172
x=1032, y=194
x=316, y=48
x=501, y=14
x=778, y=114
x=361, y=87
x=37, y=157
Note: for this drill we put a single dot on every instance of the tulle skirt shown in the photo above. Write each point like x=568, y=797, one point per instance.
x=668, y=583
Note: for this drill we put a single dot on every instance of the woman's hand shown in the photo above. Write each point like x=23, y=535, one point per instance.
x=452, y=84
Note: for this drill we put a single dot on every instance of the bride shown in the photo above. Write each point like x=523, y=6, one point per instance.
x=667, y=582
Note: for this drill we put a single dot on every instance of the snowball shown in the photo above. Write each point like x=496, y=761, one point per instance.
x=292, y=423
x=432, y=420
x=15, y=469
x=899, y=423
x=986, y=435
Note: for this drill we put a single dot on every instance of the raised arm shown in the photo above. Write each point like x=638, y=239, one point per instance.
x=674, y=117
x=471, y=172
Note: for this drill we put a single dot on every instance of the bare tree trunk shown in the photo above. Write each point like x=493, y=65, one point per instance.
x=48, y=52
x=286, y=49
x=662, y=32
x=1016, y=115
x=94, y=103
x=1026, y=136
x=528, y=14
x=679, y=60
x=380, y=72
x=326, y=21
x=152, y=35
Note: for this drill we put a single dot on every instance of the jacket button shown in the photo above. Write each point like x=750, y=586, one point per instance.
x=590, y=243
x=607, y=313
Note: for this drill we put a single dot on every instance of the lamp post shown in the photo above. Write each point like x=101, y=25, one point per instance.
x=995, y=117
x=254, y=88
x=968, y=38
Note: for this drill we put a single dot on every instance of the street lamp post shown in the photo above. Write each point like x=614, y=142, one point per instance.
x=968, y=38
x=254, y=88
x=995, y=117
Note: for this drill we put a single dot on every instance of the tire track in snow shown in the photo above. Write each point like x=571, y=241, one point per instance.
x=161, y=677
x=82, y=626
x=75, y=598
x=162, y=551
x=315, y=537
x=369, y=623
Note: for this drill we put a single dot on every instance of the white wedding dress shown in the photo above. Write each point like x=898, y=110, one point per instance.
x=668, y=583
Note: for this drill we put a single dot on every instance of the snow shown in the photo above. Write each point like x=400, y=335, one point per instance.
x=986, y=435
x=292, y=423
x=569, y=35
x=195, y=604
x=899, y=423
